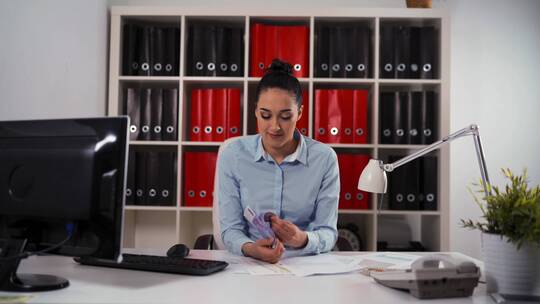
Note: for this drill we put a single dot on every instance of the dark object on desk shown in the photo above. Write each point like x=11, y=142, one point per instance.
x=428, y=280
x=178, y=251
x=10, y=280
x=159, y=264
x=413, y=246
x=57, y=175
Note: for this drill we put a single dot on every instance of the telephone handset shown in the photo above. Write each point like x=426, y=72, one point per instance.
x=433, y=276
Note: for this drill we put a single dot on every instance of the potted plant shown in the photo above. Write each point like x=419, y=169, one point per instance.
x=510, y=236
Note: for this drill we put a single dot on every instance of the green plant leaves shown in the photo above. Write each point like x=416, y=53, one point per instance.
x=514, y=212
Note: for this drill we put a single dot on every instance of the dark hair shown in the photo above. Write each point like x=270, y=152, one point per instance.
x=279, y=75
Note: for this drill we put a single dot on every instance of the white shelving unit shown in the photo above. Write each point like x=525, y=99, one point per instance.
x=149, y=226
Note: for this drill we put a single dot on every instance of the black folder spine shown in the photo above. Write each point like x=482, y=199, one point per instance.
x=236, y=52
x=402, y=49
x=130, y=184
x=130, y=64
x=322, y=59
x=386, y=69
x=133, y=110
x=169, y=124
x=146, y=114
x=156, y=114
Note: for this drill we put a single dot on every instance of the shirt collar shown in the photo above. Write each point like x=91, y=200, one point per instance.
x=299, y=154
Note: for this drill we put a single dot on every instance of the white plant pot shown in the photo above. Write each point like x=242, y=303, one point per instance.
x=510, y=271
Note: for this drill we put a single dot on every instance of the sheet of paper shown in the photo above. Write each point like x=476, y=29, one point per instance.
x=320, y=264
x=385, y=260
x=304, y=266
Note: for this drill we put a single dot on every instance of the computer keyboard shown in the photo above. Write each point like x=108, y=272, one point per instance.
x=159, y=264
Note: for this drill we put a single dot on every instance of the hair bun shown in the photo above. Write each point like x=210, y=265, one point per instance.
x=280, y=66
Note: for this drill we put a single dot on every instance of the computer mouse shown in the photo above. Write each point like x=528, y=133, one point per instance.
x=178, y=251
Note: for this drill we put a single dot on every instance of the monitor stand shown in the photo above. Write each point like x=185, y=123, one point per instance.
x=11, y=281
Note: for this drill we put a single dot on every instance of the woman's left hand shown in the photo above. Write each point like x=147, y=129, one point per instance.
x=288, y=233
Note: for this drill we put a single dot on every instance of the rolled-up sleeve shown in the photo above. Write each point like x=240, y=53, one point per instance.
x=233, y=225
x=322, y=231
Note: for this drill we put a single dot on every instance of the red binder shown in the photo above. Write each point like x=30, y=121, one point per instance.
x=219, y=114
x=345, y=100
x=345, y=193
x=271, y=35
x=258, y=50
x=233, y=113
x=208, y=168
x=360, y=198
x=293, y=47
x=199, y=169
x=320, y=116
x=208, y=96
x=196, y=115
x=360, y=116
x=335, y=124
x=303, y=124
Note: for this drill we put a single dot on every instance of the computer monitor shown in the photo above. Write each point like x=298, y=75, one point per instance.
x=56, y=175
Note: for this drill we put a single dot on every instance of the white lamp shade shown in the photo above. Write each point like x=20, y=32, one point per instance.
x=373, y=178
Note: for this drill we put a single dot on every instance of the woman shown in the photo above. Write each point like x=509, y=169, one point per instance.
x=279, y=171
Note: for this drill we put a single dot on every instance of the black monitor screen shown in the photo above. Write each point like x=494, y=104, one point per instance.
x=54, y=172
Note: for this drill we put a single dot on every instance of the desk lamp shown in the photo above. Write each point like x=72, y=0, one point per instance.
x=373, y=177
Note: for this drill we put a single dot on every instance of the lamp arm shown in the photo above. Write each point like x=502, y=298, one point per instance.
x=470, y=130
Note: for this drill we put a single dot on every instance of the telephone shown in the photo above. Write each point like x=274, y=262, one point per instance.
x=433, y=276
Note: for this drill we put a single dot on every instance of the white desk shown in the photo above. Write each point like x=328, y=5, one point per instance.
x=89, y=284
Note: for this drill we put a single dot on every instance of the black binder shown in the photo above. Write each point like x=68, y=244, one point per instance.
x=196, y=63
x=429, y=120
x=158, y=53
x=166, y=195
x=386, y=117
x=337, y=52
x=399, y=118
x=429, y=177
x=362, y=47
x=428, y=49
x=133, y=110
x=169, y=123
x=322, y=51
x=402, y=56
x=140, y=178
x=152, y=177
x=386, y=69
x=144, y=51
x=404, y=185
x=130, y=183
x=210, y=50
x=414, y=118
x=222, y=50
x=350, y=51
x=156, y=114
x=130, y=63
x=415, y=65
x=412, y=188
x=146, y=114
x=397, y=186
x=236, y=52
x=171, y=51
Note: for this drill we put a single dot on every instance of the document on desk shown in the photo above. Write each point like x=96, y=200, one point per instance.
x=305, y=265
x=385, y=260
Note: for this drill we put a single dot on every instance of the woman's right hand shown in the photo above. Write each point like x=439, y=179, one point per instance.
x=262, y=250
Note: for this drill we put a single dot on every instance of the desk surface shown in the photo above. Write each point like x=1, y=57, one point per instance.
x=89, y=284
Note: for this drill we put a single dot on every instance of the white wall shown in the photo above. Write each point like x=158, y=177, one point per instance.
x=495, y=74
x=53, y=58
x=495, y=81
